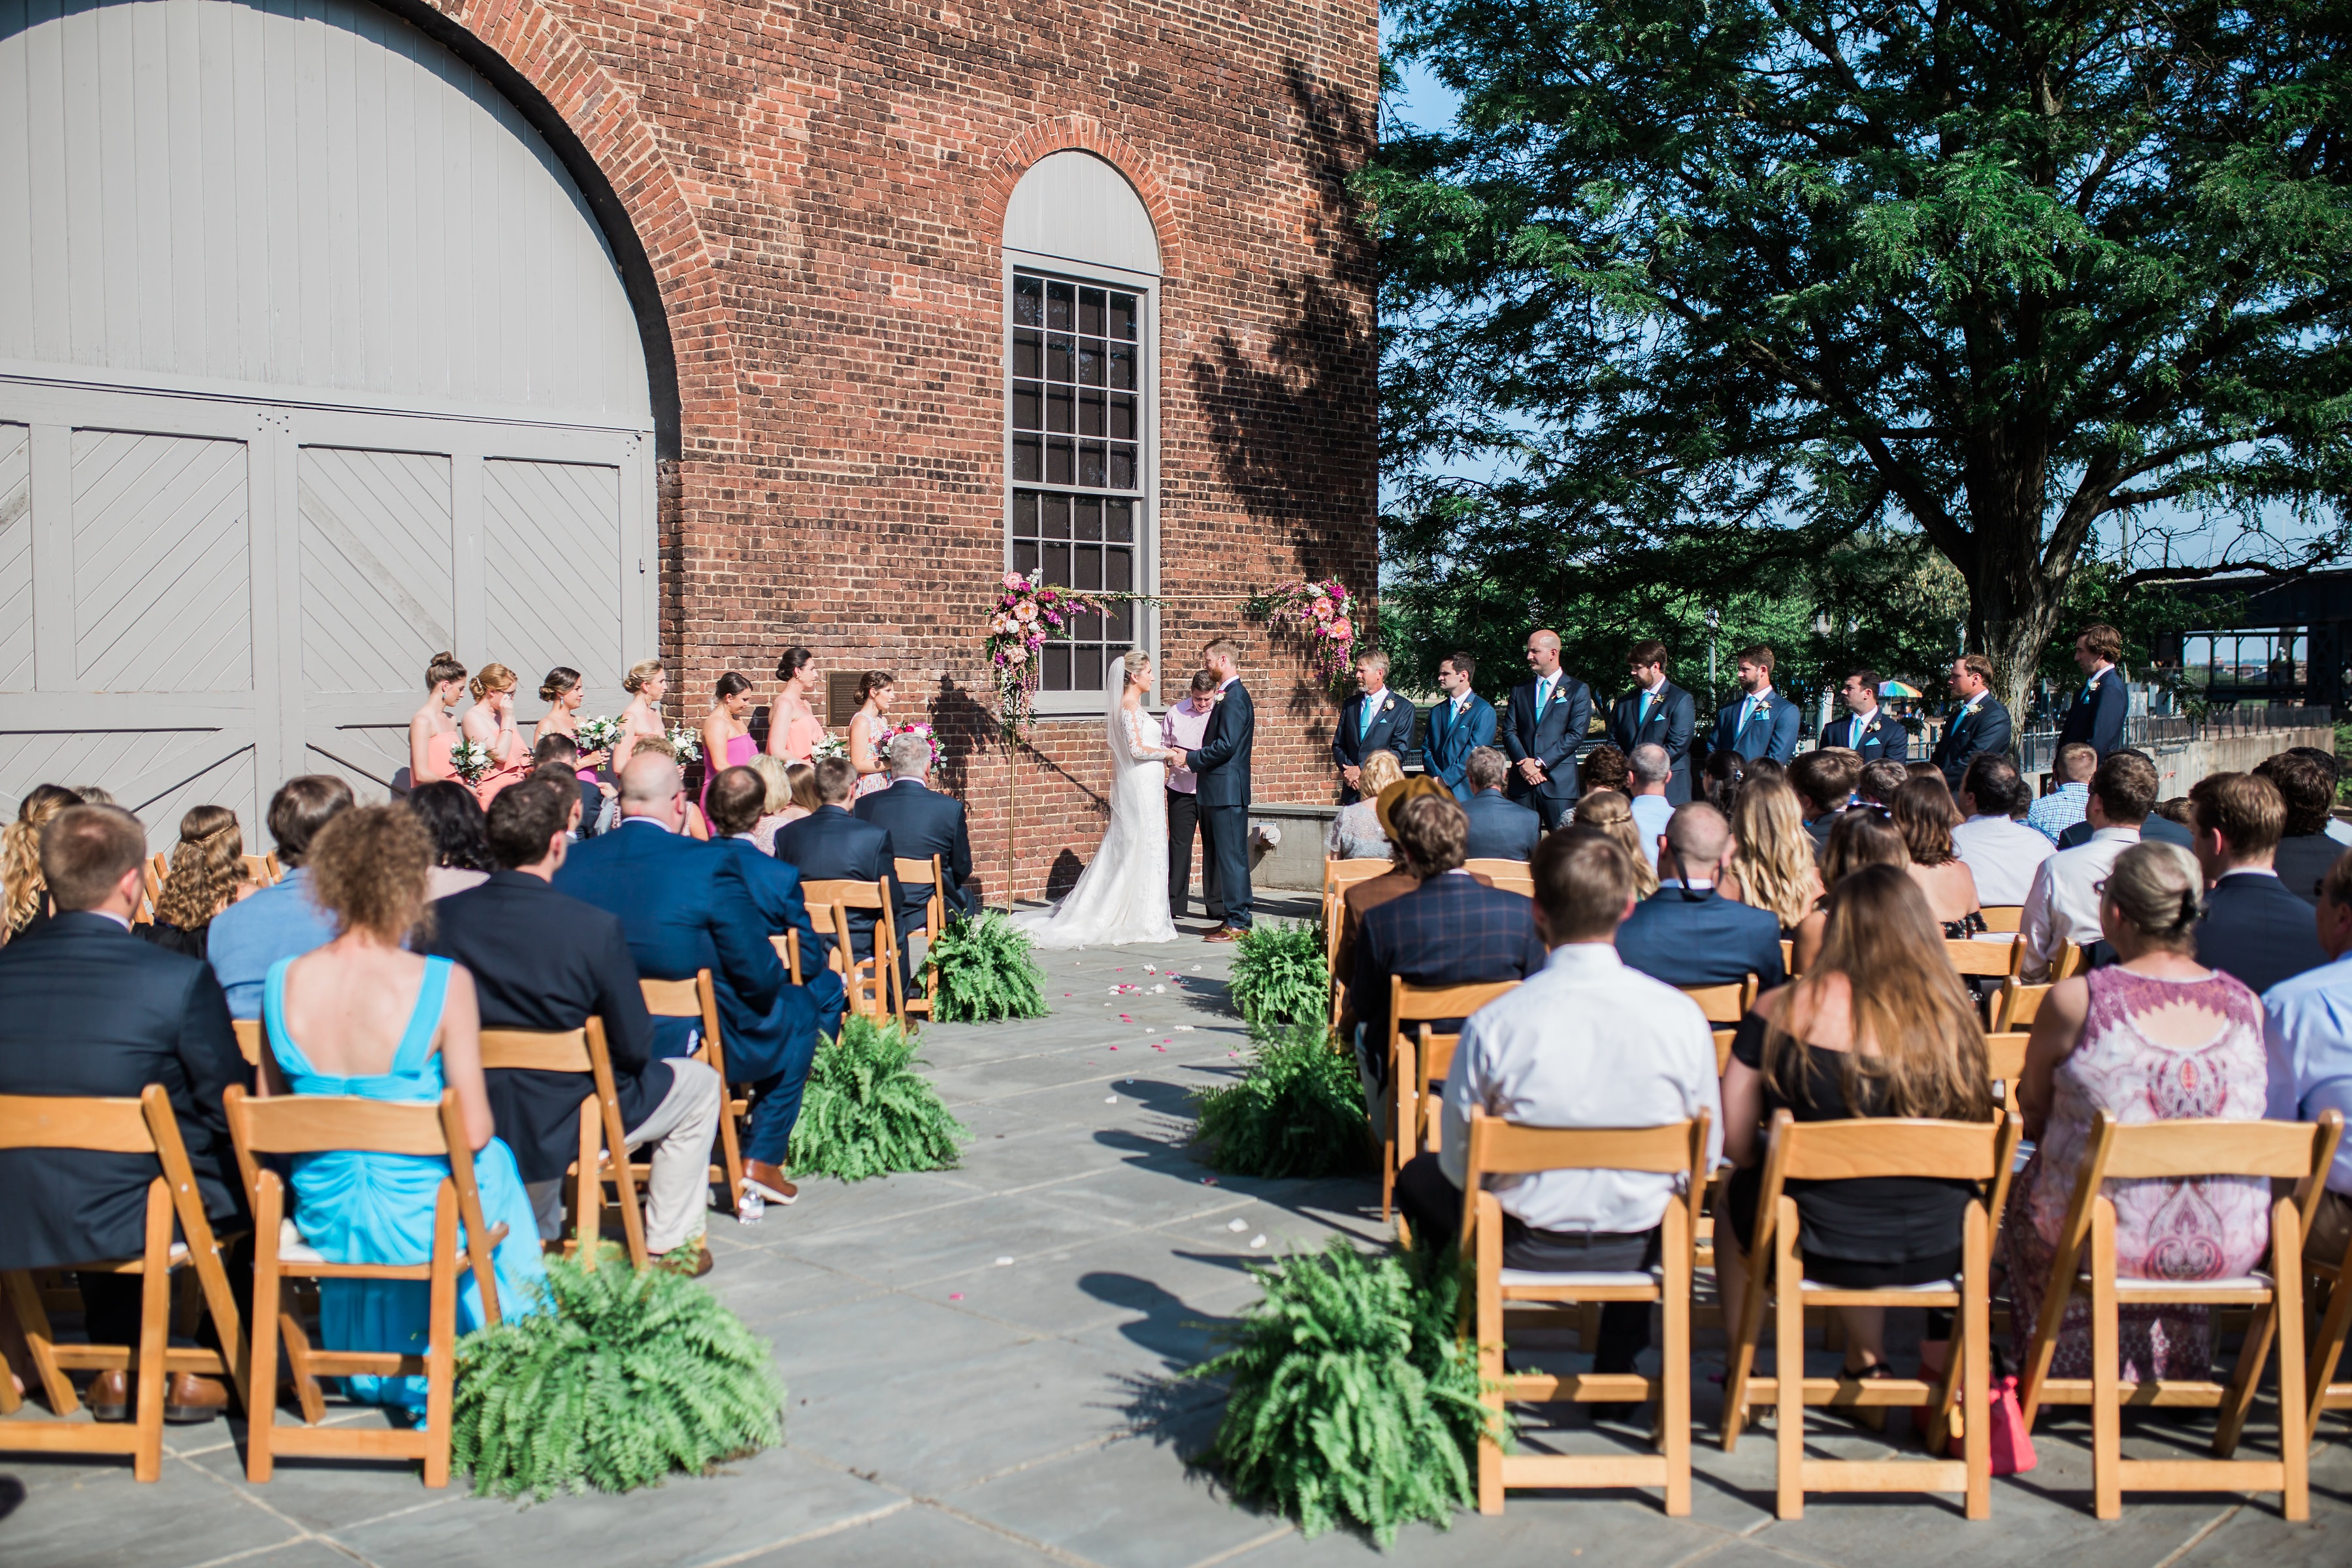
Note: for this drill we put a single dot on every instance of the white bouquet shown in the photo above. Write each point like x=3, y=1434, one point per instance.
x=686, y=741
x=599, y=734
x=829, y=745
x=470, y=760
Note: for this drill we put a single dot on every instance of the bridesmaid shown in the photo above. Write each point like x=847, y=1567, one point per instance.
x=434, y=729
x=642, y=719
x=727, y=731
x=490, y=723
x=563, y=693
x=869, y=727
x=794, y=728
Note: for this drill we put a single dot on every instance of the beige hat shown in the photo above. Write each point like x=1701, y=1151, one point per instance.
x=1385, y=804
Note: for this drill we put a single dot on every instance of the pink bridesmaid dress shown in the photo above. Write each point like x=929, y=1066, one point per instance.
x=740, y=750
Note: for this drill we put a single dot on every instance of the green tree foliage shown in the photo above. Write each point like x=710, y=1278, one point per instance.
x=868, y=1112
x=1279, y=975
x=984, y=971
x=622, y=1379
x=1720, y=285
x=1298, y=1110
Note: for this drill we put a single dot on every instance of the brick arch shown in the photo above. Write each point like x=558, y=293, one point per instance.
x=1069, y=133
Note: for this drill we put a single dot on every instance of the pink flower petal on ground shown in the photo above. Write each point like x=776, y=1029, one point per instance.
x=955, y=1295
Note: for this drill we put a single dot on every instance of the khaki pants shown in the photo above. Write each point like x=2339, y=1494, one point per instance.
x=678, y=1194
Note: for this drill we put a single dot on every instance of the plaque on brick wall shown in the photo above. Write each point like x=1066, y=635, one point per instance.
x=840, y=698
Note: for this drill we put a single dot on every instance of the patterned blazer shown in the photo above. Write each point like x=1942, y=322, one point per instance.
x=1450, y=930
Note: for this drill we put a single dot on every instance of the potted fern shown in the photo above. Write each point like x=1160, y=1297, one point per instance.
x=1279, y=975
x=982, y=969
x=1298, y=1110
x=868, y=1112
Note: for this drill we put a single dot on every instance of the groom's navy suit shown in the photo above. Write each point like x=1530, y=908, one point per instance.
x=1222, y=763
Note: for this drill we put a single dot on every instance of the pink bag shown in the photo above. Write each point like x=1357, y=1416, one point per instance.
x=2012, y=1445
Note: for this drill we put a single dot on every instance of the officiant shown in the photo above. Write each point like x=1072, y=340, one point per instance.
x=1183, y=728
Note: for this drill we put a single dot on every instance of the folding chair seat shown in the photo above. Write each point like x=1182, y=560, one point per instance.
x=873, y=982
x=1512, y=876
x=1408, y=1005
x=699, y=998
x=934, y=917
x=602, y=1132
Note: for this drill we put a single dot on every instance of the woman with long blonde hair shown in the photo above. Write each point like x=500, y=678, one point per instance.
x=1612, y=815
x=26, y=894
x=207, y=876
x=1772, y=859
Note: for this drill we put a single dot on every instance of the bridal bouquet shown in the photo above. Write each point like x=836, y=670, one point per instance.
x=599, y=734
x=1320, y=613
x=916, y=728
x=1027, y=614
x=829, y=745
x=686, y=741
x=471, y=760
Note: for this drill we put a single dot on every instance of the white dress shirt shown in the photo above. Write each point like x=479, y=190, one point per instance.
x=2061, y=906
x=1583, y=1042
x=2002, y=856
x=1651, y=815
x=2307, y=1026
x=1856, y=722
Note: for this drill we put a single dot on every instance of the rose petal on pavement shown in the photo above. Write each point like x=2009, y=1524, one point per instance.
x=1004, y=1263
x=1258, y=1241
x=1237, y=1225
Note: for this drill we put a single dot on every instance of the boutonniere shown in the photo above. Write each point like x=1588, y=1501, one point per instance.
x=1387, y=703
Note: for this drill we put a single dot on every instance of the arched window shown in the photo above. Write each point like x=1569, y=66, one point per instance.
x=1081, y=282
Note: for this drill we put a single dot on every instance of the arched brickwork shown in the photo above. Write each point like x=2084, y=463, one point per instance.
x=1075, y=132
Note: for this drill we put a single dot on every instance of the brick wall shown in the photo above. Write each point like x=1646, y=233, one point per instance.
x=820, y=191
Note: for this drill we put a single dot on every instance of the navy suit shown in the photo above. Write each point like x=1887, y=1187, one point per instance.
x=2155, y=830
x=1771, y=732
x=1882, y=736
x=922, y=823
x=775, y=887
x=1671, y=722
x=1554, y=737
x=2258, y=931
x=830, y=845
x=1500, y=829
x=1446, y=748
x=1450, y=930
x=2302, y=861
x=1686, y=936
x=1970, y=734
x=2096, y=717
x=1390, y=730
x=1222, y=763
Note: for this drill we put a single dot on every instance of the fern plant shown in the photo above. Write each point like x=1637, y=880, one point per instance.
x=868, y=1112
x=1279, y=975
x=982, y=969
x=1298, y=1110
x=1350, y=1401
x=620, y=1380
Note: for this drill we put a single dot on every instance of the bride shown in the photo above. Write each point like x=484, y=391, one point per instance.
x=1122, y=895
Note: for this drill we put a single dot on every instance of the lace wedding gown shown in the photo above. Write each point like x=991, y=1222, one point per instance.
x=1122, y=895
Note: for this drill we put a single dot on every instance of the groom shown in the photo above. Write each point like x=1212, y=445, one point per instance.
x=1221, y=764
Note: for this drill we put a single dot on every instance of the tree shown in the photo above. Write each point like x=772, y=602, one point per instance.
x=1719, y=285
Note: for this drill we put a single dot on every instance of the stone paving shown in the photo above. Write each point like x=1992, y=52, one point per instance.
x=980, y=1368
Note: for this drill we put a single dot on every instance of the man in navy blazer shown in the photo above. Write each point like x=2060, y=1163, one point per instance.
x=684, y=907
x=737, y=796
x=1500, y=829
x=1220, y=763
x=830, y=845
x=1758, y=723
x=2255, y=927
x=1867, y=730
x=921, y=823
x=1457, y=726
x=1544, y=729
x=2096, y=715
x=1374, y=720
x=1656, y=712
x=1687, y=933
x=1978, y=727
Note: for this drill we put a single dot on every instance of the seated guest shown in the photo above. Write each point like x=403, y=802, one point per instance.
x=2253, y=930
x=921, y=823
x=278, y=922
x=2305, y=853
x=1361, y=898
x=2063, y=905
x=1586, y=1042
x=1688, y=933
x=1500, y=827
x=453, y=817
x=2338, y=829
x=2178, y=812
x=1649, y=770
x=684, y=907
x=791, y=795
x=830, y=845
x=2001, y=852
x=564, y=751
x=2070, y=794
x=1450, y=930
x=1719, y=779
x=2158, y=827
x=2308, y=1033
x=1772, y=863
x=1824, y=781
x=362, y=1015
x=1881, y=782
x=1605, y=767
x=2156, y=1037
x=736, y=797
x=1881, y=993
x=207, y=876
x=1864, y=836
x=88, y=1009
x=22, y=892
x=1611, y=814
x=1355, y=832
x=1924, y=813
x=542, y=959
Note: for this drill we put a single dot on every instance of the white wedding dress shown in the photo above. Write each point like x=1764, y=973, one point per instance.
x=1122, y=895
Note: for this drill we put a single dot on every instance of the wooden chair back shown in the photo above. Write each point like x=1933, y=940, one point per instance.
x=1409, y=1006
x=1789, y=957
x=2018, y=1003
x=2005, y=1062
x=935, y=915
x=248, y=1039
x=120, y=1126
x=262, y=870
x=159, y=868
x=1724, y=1006
x=1512, y=876
x=1338, y=876
x=584, y=1051
x=1971, y=957
x=873, y=983
x=699, y=998
x=2005, y=917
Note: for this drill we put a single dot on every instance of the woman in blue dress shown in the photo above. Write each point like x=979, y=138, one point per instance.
x=364, y=1017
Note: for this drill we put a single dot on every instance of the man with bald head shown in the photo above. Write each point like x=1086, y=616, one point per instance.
x=1687, y=933
x=1544, y=728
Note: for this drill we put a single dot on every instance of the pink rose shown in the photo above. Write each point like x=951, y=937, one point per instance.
x=1341, y=629
x=1013, y=580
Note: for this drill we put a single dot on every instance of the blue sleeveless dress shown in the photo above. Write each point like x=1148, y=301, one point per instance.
x=360, y=1207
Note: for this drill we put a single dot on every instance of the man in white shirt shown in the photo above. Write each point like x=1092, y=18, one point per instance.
x=2063, y=904
x=2308, y=1028
x=1649, y=769
x=1582, y=1042
x=2000, y=851
x=1182, y=728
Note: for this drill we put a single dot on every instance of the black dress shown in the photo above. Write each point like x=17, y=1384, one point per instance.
x=1862, y=1233
x=192, y=941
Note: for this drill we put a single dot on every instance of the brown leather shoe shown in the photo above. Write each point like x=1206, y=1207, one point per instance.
x=769, y=1181
x=108, y=1397
x=1225, y=933
x=189, y=1398
x=694, y=1266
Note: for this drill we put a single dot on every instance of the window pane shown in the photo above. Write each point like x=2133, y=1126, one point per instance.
x=1118, y=571
x=1122, y=367
x=1090, y=361
x=1059, y=297
x=1086, y=669
x=1090, y=311
x=1060, y=462
x=1089, y=564
x=1028, y=296
x=1058, y=666
x=1061, y=404
x=1091, y=469
x=1057, y=564
x=1061, y=358
x=1028, y=460
x=1088, y=518
x=1028, y=399
x=1122, y=464
x=1024, y=558
x=1058, y=517
x=1120, y=519
x=1087, y=628
x=1028, y=353
x=1122, y=416
x=1025, y=514
x=1122, y=316
x=1090, y=413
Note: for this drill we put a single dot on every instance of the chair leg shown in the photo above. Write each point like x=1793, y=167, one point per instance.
x=588, y=1186
x=2327, y=1350
x=40, y=1341
x=2294, y=1436
x=149, y=1376
x=1675, y=1368
x=1974, y=1354
x=2106, y=1378
x=2245, y=1380
x=308, y=1393
x=261, y=1414
x=441, y=1345
x=624, y=1183
x=1789, y=1367
x=1490, y=1365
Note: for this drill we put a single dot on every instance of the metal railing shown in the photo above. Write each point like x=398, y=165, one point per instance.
x=2037, y=749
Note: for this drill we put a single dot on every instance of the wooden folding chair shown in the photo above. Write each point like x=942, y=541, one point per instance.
x=582, y=1050
x=311, y=1124
x=1411, y=1004
x=2330, y=1281
x=934, y=914
x=2004, y=918
x=248, y=1039
x=1500, y=1148
x=262, y=869
x=873, y=982
x=2084, y=1264
x=699, y=998
x=1724, y=1006
x=1338, y=876
x=1513, y=876
x=1971, y=958
x=2015, y=1008
x=140, y=1126
x=1789, y=957
x=159, y=868
x=2005, y=1063
x=1836, y=1150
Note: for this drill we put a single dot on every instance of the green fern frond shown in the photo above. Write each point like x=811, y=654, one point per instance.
x=982, y=969
x=1279, y=975
x=868, y=1112
x=1298, y=1110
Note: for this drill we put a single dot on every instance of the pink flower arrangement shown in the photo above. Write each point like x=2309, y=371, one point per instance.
x=1319, y=612
x=1027, y=614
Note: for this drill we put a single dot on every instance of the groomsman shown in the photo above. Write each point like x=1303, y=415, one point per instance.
x=1543, y=731
x=1457, y=726
x=1656, y=712
x=1374, y=720
x=2096, y=717
x=1978, y=727
x=1760, y=722
x=1868, y=729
